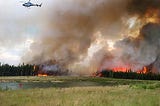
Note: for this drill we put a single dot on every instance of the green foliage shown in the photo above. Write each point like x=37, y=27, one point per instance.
x=1, y=89
x=20, y=70
x=146, y=86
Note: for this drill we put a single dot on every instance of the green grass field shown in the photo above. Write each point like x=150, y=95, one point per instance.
x=82, y=91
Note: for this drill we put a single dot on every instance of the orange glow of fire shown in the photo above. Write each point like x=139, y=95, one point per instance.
x=152, y=15
x=124, y=69
x=143, y=71
x=120, y=69
x=42, y=75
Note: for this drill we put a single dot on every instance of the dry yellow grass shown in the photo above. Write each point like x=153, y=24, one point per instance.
x=101, y=95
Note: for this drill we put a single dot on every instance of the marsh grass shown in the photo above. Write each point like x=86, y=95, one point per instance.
x=146, y=86
x=84, y=91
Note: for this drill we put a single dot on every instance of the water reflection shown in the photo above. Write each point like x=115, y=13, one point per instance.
x=24, y=85
x=49, y=84
x=7, y=85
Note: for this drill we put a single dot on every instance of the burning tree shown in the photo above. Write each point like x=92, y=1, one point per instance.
x=49, y=68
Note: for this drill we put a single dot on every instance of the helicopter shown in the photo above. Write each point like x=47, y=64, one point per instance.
x=29, y=4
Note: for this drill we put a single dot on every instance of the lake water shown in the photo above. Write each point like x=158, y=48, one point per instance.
x=55, y=84
x=25, y=85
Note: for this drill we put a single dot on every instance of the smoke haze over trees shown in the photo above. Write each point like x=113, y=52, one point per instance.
x=86, y=35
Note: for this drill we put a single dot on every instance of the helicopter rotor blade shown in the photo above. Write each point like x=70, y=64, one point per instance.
x=22, y=1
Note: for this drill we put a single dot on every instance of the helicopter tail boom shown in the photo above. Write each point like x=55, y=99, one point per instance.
x=40, y=5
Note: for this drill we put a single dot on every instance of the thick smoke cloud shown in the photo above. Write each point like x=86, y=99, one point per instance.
x=136, y=53
x=141, y=51
x=71, y=28
x=140, y=7
x=72, y=25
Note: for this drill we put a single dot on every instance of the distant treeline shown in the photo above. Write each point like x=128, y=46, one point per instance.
x=20, y=70
x=128, y=75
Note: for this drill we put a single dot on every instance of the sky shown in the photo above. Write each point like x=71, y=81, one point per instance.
x=19, y=27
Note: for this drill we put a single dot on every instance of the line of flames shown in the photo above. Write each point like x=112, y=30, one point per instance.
x=124, y=69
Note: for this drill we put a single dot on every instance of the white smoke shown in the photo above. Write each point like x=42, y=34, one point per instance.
x=71, y=29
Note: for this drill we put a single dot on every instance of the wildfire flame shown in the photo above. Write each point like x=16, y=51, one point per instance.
x=121, y=69
x=143, y=71
x=42, y=75
x=124, y=69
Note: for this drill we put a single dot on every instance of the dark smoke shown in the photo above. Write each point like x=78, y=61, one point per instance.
x=151, y=34
x=72, y=25
x=141, y=51
x=140, y=7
